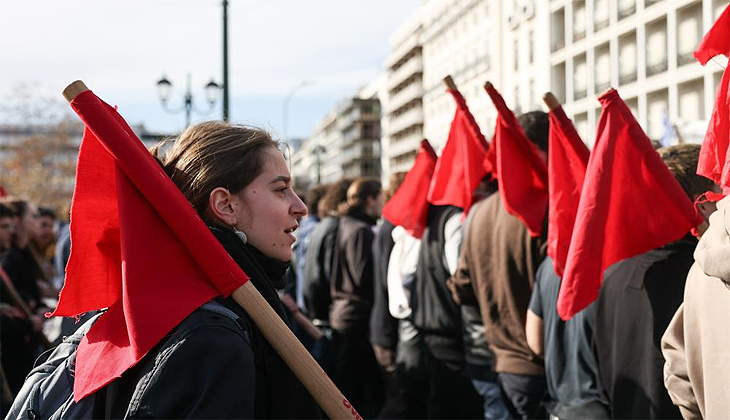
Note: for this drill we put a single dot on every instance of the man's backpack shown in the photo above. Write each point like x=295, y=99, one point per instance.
x=47, y=392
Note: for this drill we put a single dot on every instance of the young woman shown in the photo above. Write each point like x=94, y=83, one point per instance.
x=351, y=287
x=213, y=366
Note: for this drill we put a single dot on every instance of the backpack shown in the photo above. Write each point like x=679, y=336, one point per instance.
x=47, y=392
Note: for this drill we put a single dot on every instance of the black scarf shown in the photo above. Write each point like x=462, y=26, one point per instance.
x=279, y=394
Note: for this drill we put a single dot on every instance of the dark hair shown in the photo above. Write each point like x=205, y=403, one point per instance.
x=18, y=206
x=536, y=125
x=214, y=154
x=682, y=162
x=47, y=212
x=358, y=193
x=6, y=210
x=313, y=198
x=336, y=195
x=393, y=184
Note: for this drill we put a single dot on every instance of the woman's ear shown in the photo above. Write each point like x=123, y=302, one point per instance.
x=223, y=205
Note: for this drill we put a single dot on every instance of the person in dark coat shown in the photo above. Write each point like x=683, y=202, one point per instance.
x=351, y=288
x=319, y=257
x=637, y=300
x=214, y=365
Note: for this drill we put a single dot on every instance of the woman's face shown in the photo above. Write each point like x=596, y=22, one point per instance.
x=30, y=223
x=269, y=209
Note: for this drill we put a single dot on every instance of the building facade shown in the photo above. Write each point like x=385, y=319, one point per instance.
x=346, y=143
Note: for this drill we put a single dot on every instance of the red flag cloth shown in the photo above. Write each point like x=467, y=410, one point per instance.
x=714, y=162
x=139, y=249
x=409, y=207
x=630, y=204
x=3, y=192
x=460, y=168
x=522, y=173
x=717, y=40
x=567, y=162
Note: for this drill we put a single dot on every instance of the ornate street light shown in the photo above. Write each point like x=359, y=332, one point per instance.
x=164, y=90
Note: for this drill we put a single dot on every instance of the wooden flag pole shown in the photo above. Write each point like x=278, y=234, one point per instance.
x=278, y=334
x=550, y=100
x=449, y=82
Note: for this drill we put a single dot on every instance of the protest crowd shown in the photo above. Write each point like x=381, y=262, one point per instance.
x=522, y=277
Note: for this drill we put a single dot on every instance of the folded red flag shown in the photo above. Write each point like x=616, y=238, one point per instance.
x=139, y=249
x=408, y=207
x=714, y=162
x=567, y=161
x=522, y=174
x=460, y=168
x=630, y=204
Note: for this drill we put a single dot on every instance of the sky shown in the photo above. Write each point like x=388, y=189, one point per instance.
x=121, y=48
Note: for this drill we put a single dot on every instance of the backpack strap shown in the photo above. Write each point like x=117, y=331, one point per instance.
x=217, y=307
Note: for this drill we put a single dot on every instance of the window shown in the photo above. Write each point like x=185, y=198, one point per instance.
x=656, y=47
x=580, y=77
x=689, y=32
x=627, y=58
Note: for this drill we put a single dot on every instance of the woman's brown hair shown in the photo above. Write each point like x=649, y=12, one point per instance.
x=359, y=192
x=214, y=154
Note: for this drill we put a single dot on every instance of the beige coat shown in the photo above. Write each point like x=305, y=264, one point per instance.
x=696, y=345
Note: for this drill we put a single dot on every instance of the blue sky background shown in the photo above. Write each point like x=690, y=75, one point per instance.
x=120, y=48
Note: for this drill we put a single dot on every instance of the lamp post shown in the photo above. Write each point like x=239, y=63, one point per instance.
x=318, y=151
x=225, y=61
x=164, y=89
x=285, y=107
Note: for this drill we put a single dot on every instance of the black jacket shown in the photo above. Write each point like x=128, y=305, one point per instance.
x=318, y=269
x=638, y=298
x=210, y=367
x=351, y=285
x=383, y=327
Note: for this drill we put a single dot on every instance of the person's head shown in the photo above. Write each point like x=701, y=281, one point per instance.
x=7, y=226
x=314, y=197
x=235, y=176
x=46, y=233
x=394, y=182
x=365, y=196
x=536, y=125
x=682, y=162
x=27, y=226
x=335, y=198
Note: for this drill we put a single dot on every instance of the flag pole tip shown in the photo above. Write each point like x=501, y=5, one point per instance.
x=74, y=89
x=488, y=85
x=449, y=82
x=550, y=100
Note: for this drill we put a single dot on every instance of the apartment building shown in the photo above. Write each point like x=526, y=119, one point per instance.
x=641, y=47
x=345, y=143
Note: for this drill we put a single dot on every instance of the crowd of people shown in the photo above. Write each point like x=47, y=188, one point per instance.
x=459, y=323
x=463, y=322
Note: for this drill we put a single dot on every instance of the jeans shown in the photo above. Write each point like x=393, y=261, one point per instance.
x=493, y=405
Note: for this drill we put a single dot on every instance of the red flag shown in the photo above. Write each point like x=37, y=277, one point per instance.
x=714, y=162
x=567, y=161
x=630, y=204
x=460, y=168
x=139, y=249
x=408, y=207
x=3, y=192
x=522, y=174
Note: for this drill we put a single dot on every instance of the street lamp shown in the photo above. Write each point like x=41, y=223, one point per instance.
x=285, y=107
x=164, y=89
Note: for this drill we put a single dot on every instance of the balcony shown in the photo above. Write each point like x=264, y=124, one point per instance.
x=411, y=67
x=626, y=78
x=626, y=12
x=408, y=119
x=404, y=96
x=557, y=45
x=657, y=68
x=685, y=58
x=601, y=24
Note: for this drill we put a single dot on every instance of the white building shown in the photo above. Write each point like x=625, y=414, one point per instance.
x=641, y=47
x=346, y=143
x=403, y=111
x=575, y=48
